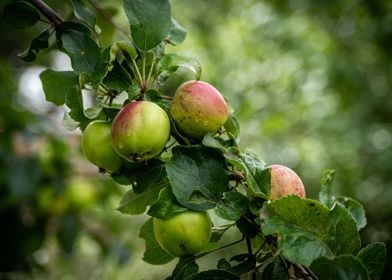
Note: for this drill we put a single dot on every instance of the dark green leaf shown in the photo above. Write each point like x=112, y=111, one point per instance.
x=215, y=274
x=153, y=253
x=232, y=127
x=247, y=262
x=166, y=205
x=223, y=264
x=217, y=232
x=152, y=95
x=232, y=207
x=118, y=78
x=177, y=33
x=185, y=268
x=20, y=14
x=57, y=83
x=246, y=227
x=197, y=176
x=74, y=101
x=150, y=21
x=67, y=231
x=326, y=194
x=275, y=271
x=216, y=142
x=373, y=257
x=38, y=43
x=82, y=50
x=355, y=208
x=83, y=13
x=341, y=267
x=308, y=230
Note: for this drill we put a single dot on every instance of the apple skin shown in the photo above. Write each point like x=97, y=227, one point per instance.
x=97, y=148
x=285, y=181
x=169, y=86
x=186, y=233
x=140, y=131
x=198, y=108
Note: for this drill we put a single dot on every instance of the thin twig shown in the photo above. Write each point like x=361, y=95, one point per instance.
x=220, y=248
x=48, y=12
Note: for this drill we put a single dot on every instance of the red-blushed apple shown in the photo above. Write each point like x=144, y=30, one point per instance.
x=186, y=233
x=198, y=108
x=284, y=181
x=97, y=147
x=140, y=131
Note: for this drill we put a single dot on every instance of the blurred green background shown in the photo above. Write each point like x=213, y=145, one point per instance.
x=310, y=81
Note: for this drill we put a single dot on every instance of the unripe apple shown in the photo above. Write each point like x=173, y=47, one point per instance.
x=198, y=108
x=140, y=131
x=169, y=85
x=285, y=181
x=186, y=233
x=97, y=148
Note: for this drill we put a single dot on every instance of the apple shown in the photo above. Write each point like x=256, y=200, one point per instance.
x=97, y=148
x=140, y=131
x=169, y=85
x=284, y=181
x=197, y=108
x=186, y=233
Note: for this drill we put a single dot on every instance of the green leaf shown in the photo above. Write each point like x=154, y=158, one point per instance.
x=74, y=101
x=233, y=206
x=82, y=50
x=20, y=14
x=150, y=21
x=197, y=176
x=118, y=78
x=275, y=271
x=57, y=83
x=169, y=63
x=215, y=274
x=216, y=142
x=83, y=13
x=373, y=257
x=326, y=196
x=218, y=231
x=246, y=227
x=341, y=267
x=308, y=230
x=186, y=267
x=38, y=43
x=355, y=208
x=247, y=262
x=232, y=127
x=177, y=33
x=153, y=253
x=166, y=205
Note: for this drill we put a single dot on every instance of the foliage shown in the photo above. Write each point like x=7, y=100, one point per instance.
x=301, y=236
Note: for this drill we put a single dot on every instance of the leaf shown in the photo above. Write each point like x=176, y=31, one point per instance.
x=136, y=203
x=153, y=253
x=38, y=43
x=177, y=33
x=232, y=127
x=74, y=101
x=341, y=267
x=118, y=78
x=214, y=274
x=326, y=194
x=355, y=208
x=83, y=13
x=308, y=230
x=373, y=257
x=217, y=232
x=247, y=262
x=82, y=50
x=246, y=227
x=57, y=83
x=275, y=271
x=186, y=267
x=216, y=142
x=232, y=207
x=150, y=21
x=197, y=176
x=169, y=63
x=166, y=205
x=20, y=15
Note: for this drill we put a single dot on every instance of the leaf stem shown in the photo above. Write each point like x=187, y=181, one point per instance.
x=220, y=248
x=47, y=11
x=250, y=251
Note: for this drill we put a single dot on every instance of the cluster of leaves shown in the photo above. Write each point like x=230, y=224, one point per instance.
x=298, y=237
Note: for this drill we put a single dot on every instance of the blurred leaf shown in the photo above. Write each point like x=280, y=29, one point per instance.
x=83, y=13
x=197, y=176
x=20, y=14
x=185, y=268
x=215, y=274
x=341, y=267
x=232, y=207
x=308, y=230
x=326, y=196
x=153, y=253
x=38, y=43
x=67, y=232
x=166, y=205
x=177, y=33
x=56, y=85
x=355, y=208
x=373, y=256
x=150, y=21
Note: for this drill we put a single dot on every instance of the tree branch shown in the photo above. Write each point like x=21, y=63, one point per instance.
x=48, y=12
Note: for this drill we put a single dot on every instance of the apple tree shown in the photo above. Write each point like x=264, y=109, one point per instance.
x=158, y=128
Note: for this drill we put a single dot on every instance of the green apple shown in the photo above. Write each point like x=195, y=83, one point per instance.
x=140, y=131
x=186, y=233
x=97, y=148
x=169, y=85
x=198, y=108
x=284, y=181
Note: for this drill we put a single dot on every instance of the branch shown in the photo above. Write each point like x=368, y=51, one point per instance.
x=48, y=12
